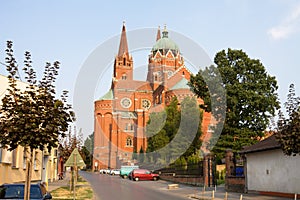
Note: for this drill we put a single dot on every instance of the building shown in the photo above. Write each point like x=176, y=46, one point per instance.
x=13, y=163
x=122, y=113
x=269, y=171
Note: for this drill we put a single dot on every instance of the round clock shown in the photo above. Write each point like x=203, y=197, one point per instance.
x=125, y=102
x=146, y=103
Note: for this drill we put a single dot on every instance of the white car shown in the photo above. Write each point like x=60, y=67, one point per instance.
x=115, y=172
x=104, y=171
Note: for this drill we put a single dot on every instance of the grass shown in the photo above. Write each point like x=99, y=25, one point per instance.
x=83, y=191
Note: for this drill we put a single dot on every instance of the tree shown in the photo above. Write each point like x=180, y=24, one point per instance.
x=32, y=118
x=251, y=98
x=87, y=150
x=175, y=132
x=288, y=134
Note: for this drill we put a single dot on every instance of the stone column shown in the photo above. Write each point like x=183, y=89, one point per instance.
x=229, y=164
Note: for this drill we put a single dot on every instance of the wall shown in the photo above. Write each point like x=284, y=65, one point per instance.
x=272, y=171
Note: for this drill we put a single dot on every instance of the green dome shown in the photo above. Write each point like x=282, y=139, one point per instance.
x=165, y=43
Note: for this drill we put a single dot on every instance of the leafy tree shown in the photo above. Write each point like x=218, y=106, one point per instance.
x=288, y=134
x=89, y=143
x=181, y=131
x=32, y=118
x=251, y=98
x=87, y=150
x=69, y=143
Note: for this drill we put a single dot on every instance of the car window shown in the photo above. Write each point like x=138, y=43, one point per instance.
x=35, y=192
x=12, y=191
x=17, y=191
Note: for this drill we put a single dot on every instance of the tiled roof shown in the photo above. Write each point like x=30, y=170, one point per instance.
x=182, y=84
x=133, y=85
x=264, y=145
x=108, y=96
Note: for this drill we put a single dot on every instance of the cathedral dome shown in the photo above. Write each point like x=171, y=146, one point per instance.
x=165, y=43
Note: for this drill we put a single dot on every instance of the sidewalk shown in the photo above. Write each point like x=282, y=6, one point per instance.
x=59, y=183
x=220, y=195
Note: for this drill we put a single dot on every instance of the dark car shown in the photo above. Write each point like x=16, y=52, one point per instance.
x=16, y=191
x=143, y=174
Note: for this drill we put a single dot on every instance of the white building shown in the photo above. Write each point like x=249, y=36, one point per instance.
x=269, y=171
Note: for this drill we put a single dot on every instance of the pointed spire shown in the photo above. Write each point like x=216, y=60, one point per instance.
x=158, y=33
x=123, y=48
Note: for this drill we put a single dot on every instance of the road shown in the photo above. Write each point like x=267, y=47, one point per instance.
x=108, y=187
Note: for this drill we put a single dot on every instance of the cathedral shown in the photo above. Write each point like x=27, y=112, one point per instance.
x=121, y=115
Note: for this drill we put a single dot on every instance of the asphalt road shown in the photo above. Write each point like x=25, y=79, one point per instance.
x=108, y=187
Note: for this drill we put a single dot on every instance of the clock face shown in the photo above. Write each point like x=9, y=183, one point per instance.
x=125, y=102
x=146, y=103
x=170, y=73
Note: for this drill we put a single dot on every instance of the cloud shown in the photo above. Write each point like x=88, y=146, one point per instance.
x=288, y=26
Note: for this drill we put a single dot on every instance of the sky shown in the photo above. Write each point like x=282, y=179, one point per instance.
x=74, y=32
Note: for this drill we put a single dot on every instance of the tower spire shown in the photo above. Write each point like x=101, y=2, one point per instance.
x=158, y=33
x=123, y=48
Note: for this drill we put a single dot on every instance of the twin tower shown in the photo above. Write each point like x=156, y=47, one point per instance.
x=122, y=113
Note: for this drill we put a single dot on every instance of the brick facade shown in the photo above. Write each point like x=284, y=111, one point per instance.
x=122, y=114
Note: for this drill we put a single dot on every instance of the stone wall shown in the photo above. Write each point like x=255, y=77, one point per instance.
x=186, y=179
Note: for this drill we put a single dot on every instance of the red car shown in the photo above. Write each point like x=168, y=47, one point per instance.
x=143, y=174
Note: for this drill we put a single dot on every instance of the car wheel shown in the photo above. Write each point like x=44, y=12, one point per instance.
x=155, y=178
x=136, y=178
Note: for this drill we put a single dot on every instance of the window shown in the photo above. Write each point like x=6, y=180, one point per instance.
x=129, y=142
x=124, y=77
x=128, y=127
x=24, y=158
x=35, y=161
x=14, y=158
x=124, y=61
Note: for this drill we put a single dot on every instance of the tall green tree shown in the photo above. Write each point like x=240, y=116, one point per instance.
x=251, y=98
x=175, y=132
x=87, y=150
x=288, y=134
x=32, y=118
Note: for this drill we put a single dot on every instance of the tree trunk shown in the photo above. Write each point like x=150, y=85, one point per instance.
x=29, y=162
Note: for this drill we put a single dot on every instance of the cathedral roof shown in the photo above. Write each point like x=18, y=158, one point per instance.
x=165, y=43
x=133, y=85
x=108, y=96
x=182, y=84
x=123, y=48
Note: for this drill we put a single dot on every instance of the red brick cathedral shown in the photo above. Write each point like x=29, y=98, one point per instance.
x=122, y=113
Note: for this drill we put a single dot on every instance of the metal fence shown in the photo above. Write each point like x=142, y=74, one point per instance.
x=188, y=169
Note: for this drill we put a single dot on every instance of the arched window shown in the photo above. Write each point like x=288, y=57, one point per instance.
x=129, y=142
x=124, y=77
x=124, y=61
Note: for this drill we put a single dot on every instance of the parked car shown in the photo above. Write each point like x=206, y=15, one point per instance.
x=130, y=175
x=115, y=172
x=16, y=191
x=126, y=169
x=143, y=174
x=104, y=171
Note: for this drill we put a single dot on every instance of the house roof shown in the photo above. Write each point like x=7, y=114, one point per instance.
x=133, y=85
x=182, y=84
x=108, y=96
x=264, y=145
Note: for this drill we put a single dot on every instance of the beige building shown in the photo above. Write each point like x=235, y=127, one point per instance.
x=13, y=163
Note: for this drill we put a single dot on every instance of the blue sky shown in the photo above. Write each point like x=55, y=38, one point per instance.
x=69, y=31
